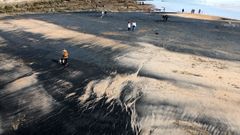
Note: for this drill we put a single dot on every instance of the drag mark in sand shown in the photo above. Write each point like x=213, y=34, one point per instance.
x=178, y=99
x=120, y=90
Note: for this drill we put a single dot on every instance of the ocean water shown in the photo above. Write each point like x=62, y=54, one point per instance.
x=223, y=8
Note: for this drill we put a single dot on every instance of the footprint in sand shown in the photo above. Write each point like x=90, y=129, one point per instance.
x=187, y=73
x=235, y=86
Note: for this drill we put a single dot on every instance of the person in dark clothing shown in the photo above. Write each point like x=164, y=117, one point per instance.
x=165, y=18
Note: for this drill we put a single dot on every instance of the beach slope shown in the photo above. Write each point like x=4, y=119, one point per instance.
x=175, y=77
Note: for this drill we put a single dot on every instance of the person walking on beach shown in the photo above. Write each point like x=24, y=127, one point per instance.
x=103, y=13
x=199, y=11
x=165, y=18
x=193, y=11
x=64, y=59
x=183, y=10
x=129, y=25
x=134, y=25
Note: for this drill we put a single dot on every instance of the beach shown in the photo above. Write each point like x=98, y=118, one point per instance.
x=226, y=9
x=176, y=77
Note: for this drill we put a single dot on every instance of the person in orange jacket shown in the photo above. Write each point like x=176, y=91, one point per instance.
x=64, y=59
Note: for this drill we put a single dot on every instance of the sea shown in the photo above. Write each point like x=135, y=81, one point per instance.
x=223, y=8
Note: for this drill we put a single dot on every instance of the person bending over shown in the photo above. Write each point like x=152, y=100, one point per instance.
x=64, y=59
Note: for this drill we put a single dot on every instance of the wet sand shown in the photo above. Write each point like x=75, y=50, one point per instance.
x=175, y=77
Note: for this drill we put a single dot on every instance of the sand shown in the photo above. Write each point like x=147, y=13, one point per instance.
x=175, y=77
x=199, y=16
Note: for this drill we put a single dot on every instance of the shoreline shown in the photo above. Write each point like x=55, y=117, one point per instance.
x=173, y=14
x=203, y=17
x=205, y=8
x=26, y=7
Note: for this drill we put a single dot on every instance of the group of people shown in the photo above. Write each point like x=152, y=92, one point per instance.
x=165, y=18
x=193, y=11
x=141, y=3
x=64, y=59
x=132, y=25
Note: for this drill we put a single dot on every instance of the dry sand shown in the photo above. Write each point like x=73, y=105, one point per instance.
x=199, y=16
x=176, y=77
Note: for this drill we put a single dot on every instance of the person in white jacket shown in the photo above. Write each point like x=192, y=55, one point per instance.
x=129, y=25
x=134, y=25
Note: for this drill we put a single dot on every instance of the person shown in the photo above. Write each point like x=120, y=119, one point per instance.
x=129, y=25
x=199, y=11
x=103, y=13
x=134, y=25
x=64, y=59
x=183, y=10
x=165, y=18
x=192, y=11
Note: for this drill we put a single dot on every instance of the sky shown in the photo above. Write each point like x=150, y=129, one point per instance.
x=228, y=4
x=224, y=8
